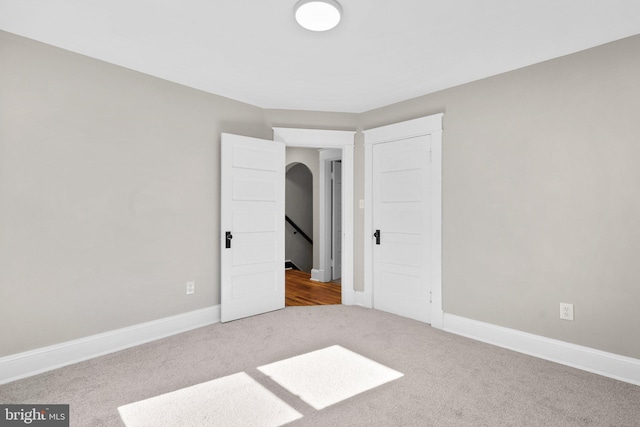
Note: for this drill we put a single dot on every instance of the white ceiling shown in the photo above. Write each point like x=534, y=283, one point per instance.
x=382, y=52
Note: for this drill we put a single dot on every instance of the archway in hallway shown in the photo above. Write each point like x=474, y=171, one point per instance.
x=299, y=217
x=299, y=243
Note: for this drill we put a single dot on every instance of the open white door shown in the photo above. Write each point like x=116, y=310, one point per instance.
x=401, y=222
x=251, y=226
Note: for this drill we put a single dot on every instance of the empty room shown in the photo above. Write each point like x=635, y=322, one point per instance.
x=471, y=201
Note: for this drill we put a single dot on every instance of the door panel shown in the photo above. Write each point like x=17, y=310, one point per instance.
x=252, y=185
x=257, y=157
x=254, y=221
x=252, y=210
x=396, y=186
x=400, y=159
x=401, y=269
x=402, y=220
x=252, y=253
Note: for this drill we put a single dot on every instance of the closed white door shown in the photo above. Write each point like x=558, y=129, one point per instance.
x=401, y=223
x=252, y=226
x=336, y=220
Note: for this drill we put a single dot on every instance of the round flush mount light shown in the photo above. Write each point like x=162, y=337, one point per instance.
x=317, y=15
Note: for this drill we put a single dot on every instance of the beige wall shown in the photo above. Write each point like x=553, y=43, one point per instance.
x=109, y=194
x=109, y=189
x=541, y=196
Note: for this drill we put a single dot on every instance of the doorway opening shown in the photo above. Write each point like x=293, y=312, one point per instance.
x=298, y=242
x=326, y=143
x=302, y=229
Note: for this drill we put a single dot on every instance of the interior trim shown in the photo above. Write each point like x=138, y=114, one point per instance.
x=337, y=139
x=599, y=362
x=430, y=125
x=22, y=365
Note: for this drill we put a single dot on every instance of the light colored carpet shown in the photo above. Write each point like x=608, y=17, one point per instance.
x=448, y=380
x=235, y=400
x=328, y=376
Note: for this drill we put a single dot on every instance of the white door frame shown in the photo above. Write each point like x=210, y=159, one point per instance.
x=335, y=181
x=330, y=139
x=327, y=156
x=431, y=125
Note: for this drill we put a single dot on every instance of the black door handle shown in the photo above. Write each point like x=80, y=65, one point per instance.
x=377, y=236
x=228, y=236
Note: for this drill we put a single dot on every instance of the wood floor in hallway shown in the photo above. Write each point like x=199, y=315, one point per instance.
x=301, y=290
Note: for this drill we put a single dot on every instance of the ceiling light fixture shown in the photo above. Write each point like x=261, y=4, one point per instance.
x=317, y=15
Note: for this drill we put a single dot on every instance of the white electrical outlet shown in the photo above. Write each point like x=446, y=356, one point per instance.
x=566, y=311
x=191, y=288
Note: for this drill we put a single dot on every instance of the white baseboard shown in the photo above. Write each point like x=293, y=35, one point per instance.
x=33, y=362
x=318, y=275
x=348, y=296
x=363, y=299
x=610, y=365
x=44, y=359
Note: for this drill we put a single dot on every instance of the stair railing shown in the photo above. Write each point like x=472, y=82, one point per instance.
x=298, y=229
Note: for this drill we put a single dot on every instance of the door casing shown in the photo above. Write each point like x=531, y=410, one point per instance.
x=336, y=219
x=401, y=218
x=329, y=140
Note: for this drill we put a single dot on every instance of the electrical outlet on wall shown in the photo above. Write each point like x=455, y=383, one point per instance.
x=191, y=287
x=566, y=311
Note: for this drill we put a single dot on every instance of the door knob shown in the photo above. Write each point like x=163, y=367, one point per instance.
x=377, y=236
x=227, y=236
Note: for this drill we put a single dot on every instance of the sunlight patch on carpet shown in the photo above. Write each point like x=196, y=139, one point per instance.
x=236, y=400
x=328, y=376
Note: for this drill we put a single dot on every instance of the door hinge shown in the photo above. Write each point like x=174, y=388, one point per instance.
x=430, y=297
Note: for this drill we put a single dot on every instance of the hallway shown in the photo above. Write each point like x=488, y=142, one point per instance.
x=301, y=290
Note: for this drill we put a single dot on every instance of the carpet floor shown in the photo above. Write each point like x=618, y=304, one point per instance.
x=447, y=380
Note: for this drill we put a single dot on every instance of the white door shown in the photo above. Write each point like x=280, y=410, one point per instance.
x=336, y=220
x=252, y=226
x=401, y=223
